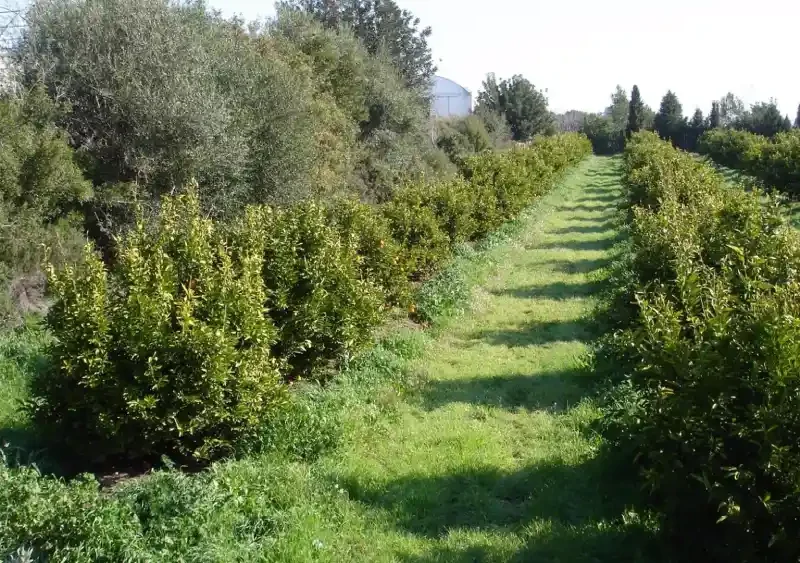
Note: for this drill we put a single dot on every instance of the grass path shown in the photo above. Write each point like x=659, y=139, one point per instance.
x=495, y=460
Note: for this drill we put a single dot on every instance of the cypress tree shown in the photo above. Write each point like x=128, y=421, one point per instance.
x=714, y=119
x=635, y=112
x=797, y=119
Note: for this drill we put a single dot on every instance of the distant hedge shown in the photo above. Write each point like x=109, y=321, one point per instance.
x=712, y=357
x=184, y=344
x=775, y=161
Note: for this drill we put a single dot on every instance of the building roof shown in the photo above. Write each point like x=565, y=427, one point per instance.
x=445, y=87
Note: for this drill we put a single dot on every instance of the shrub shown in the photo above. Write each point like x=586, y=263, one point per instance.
x=167, y=354
x=416, y=228
x=41, y=188
x=323, y=309
x=775, y=161
x=504, y=183
x=710, y=353
x=732, y=148
x=381, y=259
x=451, y=201
x=462, y=137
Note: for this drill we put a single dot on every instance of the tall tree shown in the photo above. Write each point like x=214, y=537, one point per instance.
x=670, y=122
x=383, y=27
x=697, y=120
x=714, y=119
x=618, y=110
x=635, y=113
x=797, y=119
x=648, y=118
x=524, y=107
x=731, y=109
x=787, y=123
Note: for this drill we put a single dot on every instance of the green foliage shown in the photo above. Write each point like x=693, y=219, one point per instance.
x=41, y=189
x=731, y=109
x=161, y=92
x=383, y=28
x=607, y=132
x=714, y=423
x=636, y=113
x=463, y=137
x=524, y=107
x=167, y=354
x=763, y=119
x=797, y=119
x=444, y=295
x=714, y=118
x=670, y=123
x=604, y=137
x=618, y=111
x=506, y=182
x=694, y=130
x=570, y=121
x=415, y=227
x=182, y=346
x=497, y=127
x=390, y=119
x=775, y=161
x=380, y=257
x=36, y=509
x=323, y=309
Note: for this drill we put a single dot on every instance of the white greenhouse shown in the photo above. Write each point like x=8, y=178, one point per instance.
x=450, y=99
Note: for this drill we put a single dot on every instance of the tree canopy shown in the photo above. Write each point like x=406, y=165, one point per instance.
x=384, y=28
x=714, y=118
x=524, y=107
x=764, y=118
x=669, y=121
x=635, y=113
x=618, y=110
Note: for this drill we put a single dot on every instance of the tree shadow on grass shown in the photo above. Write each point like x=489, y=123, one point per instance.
x=584, y=207
x=578, y=507
x=584, y=266
x=538, y=333
x=598, y=244
x=558, y=291
x=552, y=391
x=599, y=227
x=592, y=220
x=622, y=543
x=599, y=197
x=604, y=174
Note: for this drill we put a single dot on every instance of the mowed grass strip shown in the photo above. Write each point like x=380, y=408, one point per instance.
x=495, y=460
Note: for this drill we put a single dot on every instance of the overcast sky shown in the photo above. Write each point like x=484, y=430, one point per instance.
x=579, y=50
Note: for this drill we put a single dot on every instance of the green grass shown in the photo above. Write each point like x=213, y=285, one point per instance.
x=471, y=442
x=495, y=460
x=21, y=352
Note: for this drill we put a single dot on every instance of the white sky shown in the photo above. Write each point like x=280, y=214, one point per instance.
x=579, y=50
